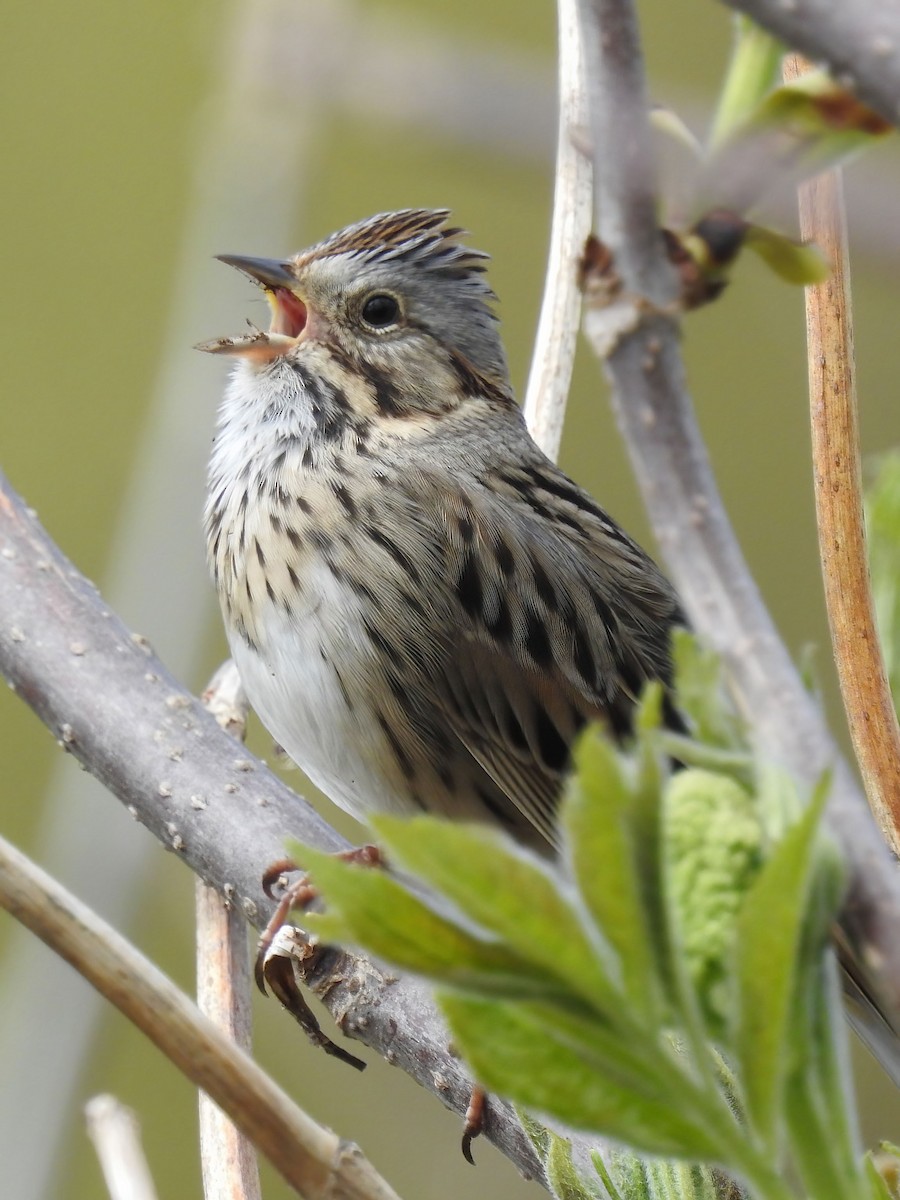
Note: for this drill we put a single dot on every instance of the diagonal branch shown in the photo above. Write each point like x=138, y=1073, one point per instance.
x=109, y=701
x=656, y=417
x=315, y=1161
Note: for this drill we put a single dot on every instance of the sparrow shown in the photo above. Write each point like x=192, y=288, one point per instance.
x=423, y=608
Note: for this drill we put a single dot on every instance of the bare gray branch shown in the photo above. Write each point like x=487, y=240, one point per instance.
x=656, y=416
x=553, y=358
x=110, y=701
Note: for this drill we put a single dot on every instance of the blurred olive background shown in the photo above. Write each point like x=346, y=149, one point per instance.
x=136, y=135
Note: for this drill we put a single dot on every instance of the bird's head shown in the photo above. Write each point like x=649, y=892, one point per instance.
x=397, y=293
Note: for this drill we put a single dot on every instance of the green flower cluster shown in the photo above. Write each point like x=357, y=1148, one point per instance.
x=713, y=839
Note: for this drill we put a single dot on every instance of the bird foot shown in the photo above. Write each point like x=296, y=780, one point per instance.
x=297, y=894
x=474, y=1120
x=281, y=945
x=289, y=948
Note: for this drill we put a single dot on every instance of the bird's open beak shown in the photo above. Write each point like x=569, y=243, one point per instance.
x=271, y=273
x=289, y=313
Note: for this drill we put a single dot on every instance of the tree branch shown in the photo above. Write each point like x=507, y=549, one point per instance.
x=859, y=42
x=553, y=357
x=837, y=476
x=644, y=367
x=227, y=1156
x=107, y=698
x=315, y=1161
x=116, y=1135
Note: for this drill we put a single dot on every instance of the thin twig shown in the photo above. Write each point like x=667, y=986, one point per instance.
x=227, y=1157
x=837, y=474
x=314, y=1161
x=655, y=415
x=225, y=699
x=554, y=350
x=116, y=1135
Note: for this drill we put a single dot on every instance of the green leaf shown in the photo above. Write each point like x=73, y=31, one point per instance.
x=565, y=1182
x=509, y=892
x=599, y=846
x=818, y=999
x=370, y=908
x=639, y=1060
x=821, y=123
x=667, y=121
x=795, y=262
x=798, y=130
x=555, y=1153
x=628, y=1177
x=653, y=767
x=706, y=1182
x=612, y=1190
x=768, y=936
x=820, y=1111
x=701, y=694
x=825, y=1175
x=751, y=74
x=518, y=1056
x=678, y=136
x=538, y=1134
x=632, y=1175
x=681, y=1181
x=883, y=1172
x=778, y=802
x=878, y=1185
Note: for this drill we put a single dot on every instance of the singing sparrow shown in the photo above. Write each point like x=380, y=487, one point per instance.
x=423, y=608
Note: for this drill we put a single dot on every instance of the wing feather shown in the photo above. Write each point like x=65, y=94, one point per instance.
x=556, y=617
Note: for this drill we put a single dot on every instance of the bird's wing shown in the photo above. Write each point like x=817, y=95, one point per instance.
x=557, y=618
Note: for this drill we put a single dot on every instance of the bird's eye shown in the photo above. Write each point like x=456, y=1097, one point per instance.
x=380, y=310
